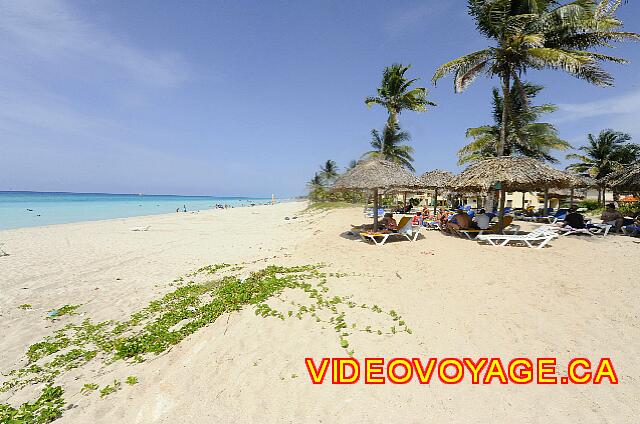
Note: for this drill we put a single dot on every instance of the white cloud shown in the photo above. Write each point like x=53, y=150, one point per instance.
x=627, y=104
x=402, y=21
x=618, y=112
x=49, y=31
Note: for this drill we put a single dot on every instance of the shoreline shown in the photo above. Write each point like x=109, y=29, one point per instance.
x=148, y=216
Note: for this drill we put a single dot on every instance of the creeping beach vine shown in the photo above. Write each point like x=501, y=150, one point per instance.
x=200, y=298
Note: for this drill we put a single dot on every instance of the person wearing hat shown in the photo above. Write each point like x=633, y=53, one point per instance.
x=612, y=217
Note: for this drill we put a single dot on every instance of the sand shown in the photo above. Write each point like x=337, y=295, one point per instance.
x=578, y=297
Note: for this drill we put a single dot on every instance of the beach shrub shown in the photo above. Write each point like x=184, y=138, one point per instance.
x=590, y=204
x=108, y=389
x=45, y=409
x=62, y=311
x=630, y=208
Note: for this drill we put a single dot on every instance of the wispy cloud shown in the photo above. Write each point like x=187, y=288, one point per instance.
x=617, y=112
x=63, y=75
x=627, y=104
x=51, y=31
x=402, y=21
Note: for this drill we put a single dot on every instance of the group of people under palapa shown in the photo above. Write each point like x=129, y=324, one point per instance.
x=445, y=221
x=461, y=220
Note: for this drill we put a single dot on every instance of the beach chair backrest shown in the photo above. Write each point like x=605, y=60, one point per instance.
x=405, y=224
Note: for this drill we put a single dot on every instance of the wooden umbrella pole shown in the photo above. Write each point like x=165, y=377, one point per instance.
x=501, y=210
x=546, y=201
x=571, y=201
x=435, y=202
x=375, y=209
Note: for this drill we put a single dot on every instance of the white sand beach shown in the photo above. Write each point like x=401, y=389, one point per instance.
x=576, y=298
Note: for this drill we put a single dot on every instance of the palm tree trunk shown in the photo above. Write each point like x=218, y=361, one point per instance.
x=393, y=118
x=506, y=80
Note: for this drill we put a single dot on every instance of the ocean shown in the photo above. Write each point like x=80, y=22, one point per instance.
x=31, y=209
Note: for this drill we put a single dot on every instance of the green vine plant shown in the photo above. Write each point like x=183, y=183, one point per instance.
x=201, y=298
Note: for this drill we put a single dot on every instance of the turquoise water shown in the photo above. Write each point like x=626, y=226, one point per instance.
x=30, y=209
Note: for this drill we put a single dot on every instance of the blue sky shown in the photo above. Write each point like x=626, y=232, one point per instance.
x=245, y=97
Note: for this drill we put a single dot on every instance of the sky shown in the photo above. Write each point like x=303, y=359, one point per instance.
x=244, y=97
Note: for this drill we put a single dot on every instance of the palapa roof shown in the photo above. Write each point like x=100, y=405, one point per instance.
x=582, y=181
x=515, y=173
x=373, y=174
x=562, y=192
x=627, y=179
x=436, y=178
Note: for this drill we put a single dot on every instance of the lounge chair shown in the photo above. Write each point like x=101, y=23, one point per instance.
x=631, y=230
x=493, y=229
x=405, y=229
x=590, y=230
x=542, y=236
x=369, y=212
x=560, y=215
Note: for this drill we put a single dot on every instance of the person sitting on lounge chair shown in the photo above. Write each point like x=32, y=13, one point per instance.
x=443, y=218
x=574, y=219
x=612, y=217
x=633, y=229
x=388, y=223
x=481, y=220
x=459, y=221
x=417, y=219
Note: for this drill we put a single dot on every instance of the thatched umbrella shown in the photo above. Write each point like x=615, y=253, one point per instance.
x=627, y=179
x=375, y=175
x=581, y=181
x=436, y=179
x=509, y=173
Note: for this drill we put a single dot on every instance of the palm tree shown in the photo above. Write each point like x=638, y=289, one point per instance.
x=315, y=182
x=352, y=164
x=608, y=152
x=525, y=136
x=395, y=94
x=316, y=187
x=391, y=141
x=329, y=171
x=538, y=34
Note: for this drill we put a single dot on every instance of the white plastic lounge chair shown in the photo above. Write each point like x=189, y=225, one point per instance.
x=590, y=231
x=542, y=236
x=601, y=229
x=568, y=230
x=405, y=229
x=508, y=220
